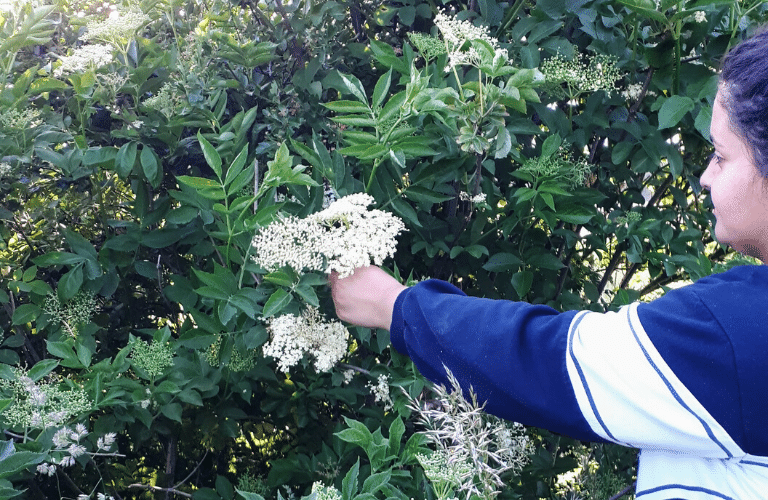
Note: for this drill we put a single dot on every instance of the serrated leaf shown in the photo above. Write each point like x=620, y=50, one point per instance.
x=212, y=157
x=343, y=106
x=381, y=89
x=503, y=261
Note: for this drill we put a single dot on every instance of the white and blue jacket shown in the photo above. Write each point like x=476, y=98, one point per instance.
x=683, y=378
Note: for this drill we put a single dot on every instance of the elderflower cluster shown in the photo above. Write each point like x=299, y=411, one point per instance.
x=560, y=166
x=84, y=58
x=152, y=358
x=428, y=46
x=40, y=405
x=456, y=33
x=15, y=119
x=341, y=238
x=294, y=336
x=700, y=16
x=628, y=218
x=445, y=471
x=237, y=362
x=380, y=391
x=120, y=26
x=323, y=492
x=74, y=313
x=600, y=73
x=5, y=169
x=634, y=91
x=166, y=101
x=478, y=198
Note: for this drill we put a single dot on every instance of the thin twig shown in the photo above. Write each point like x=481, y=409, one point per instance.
x=193, y=470
x=623, y=492
x=157, y=488
x=355, y=368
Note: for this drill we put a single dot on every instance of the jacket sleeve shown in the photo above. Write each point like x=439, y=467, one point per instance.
x=512, y=354
x=592, y=376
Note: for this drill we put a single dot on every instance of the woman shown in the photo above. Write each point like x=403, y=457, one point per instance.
x=682, y=378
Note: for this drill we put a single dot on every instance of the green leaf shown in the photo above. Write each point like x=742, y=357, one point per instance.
x=545, y=261
x=212, y=157
x=551, y=145
x=42, y=368
x=396, y=431
x=236, y=167
x=277, y=302
x=522, y=282
x=673, y=110
x=172, y=411
x=343, y=106
x=58, y=258
x=150, y=165
x=381, y=89
x=70, y=283
x=375, y=482
x=25, y=313
x=126, y=159
x=354, y=86
x=282, y=277
x=424, y=195
x=247, y=495
x=19, y=461
x=357, y=433
x=349, y=484
x=501, y=262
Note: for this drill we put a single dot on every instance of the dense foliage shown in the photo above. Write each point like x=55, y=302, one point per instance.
x=539, y=150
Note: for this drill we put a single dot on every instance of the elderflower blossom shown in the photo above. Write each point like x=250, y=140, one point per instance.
x=15, y=119
x=600, y=73
x=238, y=362
x=325, y=492
x=456, y=33
x=446, y=472
x=634, y=91
x=428, y=46
x=41, y=405
x=478, y=198
x=166, y=101
x=152, y=358
x=74, y=313
x=84, y=58
x=120, y=26
x=700, y=16
x=341, y=238
x=380, y=391
x=5, y=169
x=294, y=336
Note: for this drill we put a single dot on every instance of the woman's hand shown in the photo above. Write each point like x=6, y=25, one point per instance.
x=366, y=298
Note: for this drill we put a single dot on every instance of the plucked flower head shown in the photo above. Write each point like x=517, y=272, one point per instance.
x=292, y=337
x=341, y=238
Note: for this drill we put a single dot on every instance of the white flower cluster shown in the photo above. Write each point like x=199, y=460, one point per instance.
x=166, y=101
x=445, y=471
x=600, y=72
x=294, y=336
x=20, y=119
x=152, y=358
x=5, y=169
x=700, y=16
x=478, y=198
x=99, y=496
x=66, y=441
x=121, y=25
x=456, y=33
x=634, y=90
x=74, y=313
x=341, y=238
x=84, y=58
x=41, y=405
x=325, y=492
x=380, y=391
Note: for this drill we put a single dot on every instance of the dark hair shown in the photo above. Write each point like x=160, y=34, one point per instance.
x=744, y=83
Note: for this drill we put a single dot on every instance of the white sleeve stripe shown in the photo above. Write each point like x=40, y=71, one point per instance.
x=683, y=487
x=672, y=389
x=584, y=383
x=629, y=395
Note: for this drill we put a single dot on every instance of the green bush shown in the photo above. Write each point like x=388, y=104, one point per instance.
x=544, y=151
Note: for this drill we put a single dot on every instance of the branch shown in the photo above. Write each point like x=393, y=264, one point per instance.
x=148, y=487
x=623, y=492
x=355, y=368
x=193, y=470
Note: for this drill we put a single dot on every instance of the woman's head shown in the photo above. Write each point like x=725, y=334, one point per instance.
x=743, y=91
x=737, y=174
